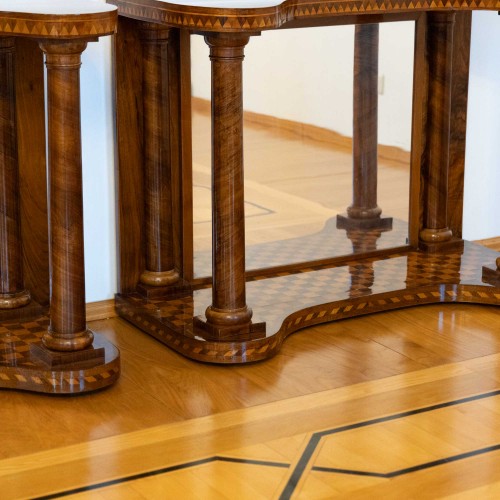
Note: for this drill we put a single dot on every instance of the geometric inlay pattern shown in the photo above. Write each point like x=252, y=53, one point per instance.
x=313, y=452
x=257, y=19
x=292, y=301
x=58, y=26
x=19, y=369
x=325, y=244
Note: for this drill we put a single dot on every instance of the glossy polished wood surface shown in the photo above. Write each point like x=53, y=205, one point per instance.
x=436, y=162
x=31, y=137
x=68, y=329
x=158, y=207
x=130, y=139
x=55, y=354
x=364, y=211
x=409, y=370
x=364, y=138
x=459, y=90
x=228, y=315
x=225, y=17
x=291, y=301
x=12, y=292
x=228, y=335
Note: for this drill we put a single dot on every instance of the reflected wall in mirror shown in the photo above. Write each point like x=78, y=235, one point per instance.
x=303, y=186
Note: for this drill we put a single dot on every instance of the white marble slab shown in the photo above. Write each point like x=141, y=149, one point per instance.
x=226, y=4
x=55, y=7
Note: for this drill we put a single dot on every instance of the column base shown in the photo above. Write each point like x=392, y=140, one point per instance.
x=382, y=223
x=164, y=278
x=454, y=244
x=237, y=333
x=27, y=365
x=14, y=300
x=181, y=288
x=86, y=358
x=25, y=313
x=491, y=276
x=69, y=342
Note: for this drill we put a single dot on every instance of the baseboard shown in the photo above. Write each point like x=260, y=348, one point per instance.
x=493, y=243
x=304, y=130
x=103, y=309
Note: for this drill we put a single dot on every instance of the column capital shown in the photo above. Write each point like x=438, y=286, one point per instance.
x=227, y=46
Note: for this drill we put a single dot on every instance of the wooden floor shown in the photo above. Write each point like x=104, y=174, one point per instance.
x=403, y=404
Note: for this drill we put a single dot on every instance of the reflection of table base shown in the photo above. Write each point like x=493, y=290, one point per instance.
x=288, y=303
x=382, y=223
x=23, y=364
x=310, y=249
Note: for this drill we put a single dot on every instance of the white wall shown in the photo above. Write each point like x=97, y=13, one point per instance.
x=482, y=159
x=306, y=76
x=98, y=157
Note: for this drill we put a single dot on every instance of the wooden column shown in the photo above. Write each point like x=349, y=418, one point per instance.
x=67, y=330
x=439, y=51
x=364, y=211
x=228, y=316
x=459, y=89
x=12, y=292
x=158, y=186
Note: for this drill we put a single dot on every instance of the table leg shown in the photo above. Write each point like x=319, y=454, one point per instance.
x=58, y=354
x=228, y=316
x=364, y=211
x=435, y=229
x=160, y=270
x=12, y=292
x=67, y=330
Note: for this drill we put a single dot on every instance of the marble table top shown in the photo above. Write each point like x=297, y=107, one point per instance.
x=55, y=7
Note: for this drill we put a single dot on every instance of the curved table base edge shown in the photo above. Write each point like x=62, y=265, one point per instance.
x=232, y=352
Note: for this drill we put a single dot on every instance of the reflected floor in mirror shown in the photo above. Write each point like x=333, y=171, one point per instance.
x=291, y=211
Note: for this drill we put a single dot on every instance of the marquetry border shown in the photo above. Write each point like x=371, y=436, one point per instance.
x=30, y=375
x=258, y=19
x=305, y=464
x=192, y=347
x=60, y=382
x=58, y=26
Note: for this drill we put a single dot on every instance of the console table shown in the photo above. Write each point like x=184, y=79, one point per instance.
x=238, y=315
x=45, y=344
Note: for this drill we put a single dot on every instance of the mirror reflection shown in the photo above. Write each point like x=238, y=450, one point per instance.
x=327, y=133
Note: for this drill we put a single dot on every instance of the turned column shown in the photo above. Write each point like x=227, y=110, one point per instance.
x=229, y=313
x=364, y=211
x=365, y=114
x=160, y=269
x=12, y=292
x=436, y=159
x=67, y=330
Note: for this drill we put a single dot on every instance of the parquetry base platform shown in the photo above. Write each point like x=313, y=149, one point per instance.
x=288, y=303
x=20, y=369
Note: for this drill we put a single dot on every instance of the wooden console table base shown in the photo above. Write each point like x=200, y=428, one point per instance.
x=291, y=302
x=241, y=315
x=55, y=353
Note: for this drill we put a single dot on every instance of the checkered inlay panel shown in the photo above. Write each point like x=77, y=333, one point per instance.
x=292, y=301
x=328, y=243
x=19, y=369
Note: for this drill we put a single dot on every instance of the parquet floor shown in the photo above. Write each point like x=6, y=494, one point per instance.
x=398, y=405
